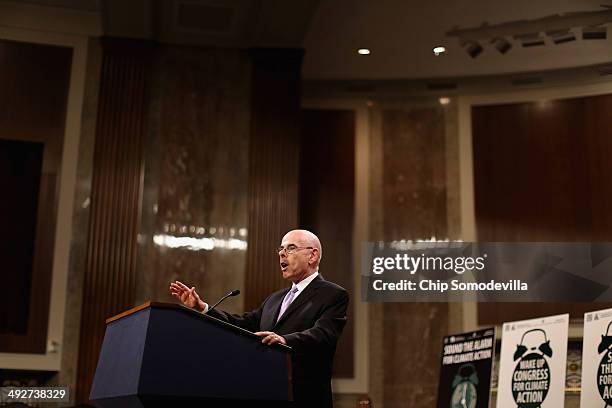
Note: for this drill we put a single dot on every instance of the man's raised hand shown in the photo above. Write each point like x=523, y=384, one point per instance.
x=188, y=296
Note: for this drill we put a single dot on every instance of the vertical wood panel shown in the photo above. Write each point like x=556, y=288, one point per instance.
x=541, y=173
x=109, y=283
x=273, y=166
x=327, y=198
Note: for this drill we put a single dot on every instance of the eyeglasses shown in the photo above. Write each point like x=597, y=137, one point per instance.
x=291, y=249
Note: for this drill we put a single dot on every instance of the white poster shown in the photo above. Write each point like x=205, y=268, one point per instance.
x=597, y=360
x=532, y=363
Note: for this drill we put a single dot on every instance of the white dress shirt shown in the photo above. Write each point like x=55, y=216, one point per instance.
x=301, y=285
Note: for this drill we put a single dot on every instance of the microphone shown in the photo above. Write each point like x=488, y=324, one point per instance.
x=234, y=292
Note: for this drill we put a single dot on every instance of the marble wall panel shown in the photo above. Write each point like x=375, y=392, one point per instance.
x=196, y=175
x=414, y=174
x=67, y=375
x=413, y=205
x=413, y=334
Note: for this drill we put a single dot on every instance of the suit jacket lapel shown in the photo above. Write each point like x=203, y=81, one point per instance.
x=269, y=319
x=301, y=299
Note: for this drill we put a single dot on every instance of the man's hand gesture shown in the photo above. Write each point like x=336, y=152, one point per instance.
x=188, y=296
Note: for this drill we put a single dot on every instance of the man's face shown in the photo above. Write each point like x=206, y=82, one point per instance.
x=294, y=266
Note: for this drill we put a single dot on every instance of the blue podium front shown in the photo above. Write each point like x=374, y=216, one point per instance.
x=161, y=354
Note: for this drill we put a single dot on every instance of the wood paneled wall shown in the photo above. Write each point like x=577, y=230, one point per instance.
x=541, y=173
x=109, y=283
x=273, y=166
x=326, y=201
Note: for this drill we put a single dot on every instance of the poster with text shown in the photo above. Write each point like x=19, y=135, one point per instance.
x=532, y=363
x=597, y=360
x=465, y=372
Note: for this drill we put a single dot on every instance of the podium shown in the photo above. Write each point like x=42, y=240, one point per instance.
x=163, y=354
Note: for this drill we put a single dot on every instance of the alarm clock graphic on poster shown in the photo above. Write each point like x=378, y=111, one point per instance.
x=531, y=377
x=604, y=372
x=464, y=387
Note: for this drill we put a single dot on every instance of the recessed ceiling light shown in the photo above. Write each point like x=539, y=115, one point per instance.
x=439, y=50
x=444, y=100
x=363, y=51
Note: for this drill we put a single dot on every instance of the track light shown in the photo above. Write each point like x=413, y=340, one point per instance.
x=501, y=44
x=560, y=28
x=594, y=33
x=530, y=40
x=473, y=48
x=561, y=36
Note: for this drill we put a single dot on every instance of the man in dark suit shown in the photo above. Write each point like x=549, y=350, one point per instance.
x=308, y=317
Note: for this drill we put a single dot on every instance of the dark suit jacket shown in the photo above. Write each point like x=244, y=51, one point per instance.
x=311, y=325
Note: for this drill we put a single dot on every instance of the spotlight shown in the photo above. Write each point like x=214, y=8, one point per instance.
x=530, y=40
x=594, y=33
x=561, y=36
x=363, y=51
x=472, y=48
x=501, y=44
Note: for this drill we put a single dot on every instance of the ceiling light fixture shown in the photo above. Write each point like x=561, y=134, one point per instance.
x=439, y=50
x=560, y=28
x=444, y=100
x=530, y=40
x=594, y=33
x=561, y=36
x=363, y=51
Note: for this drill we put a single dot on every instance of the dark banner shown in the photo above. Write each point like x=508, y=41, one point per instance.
x=406, y=271
x=465, y=373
